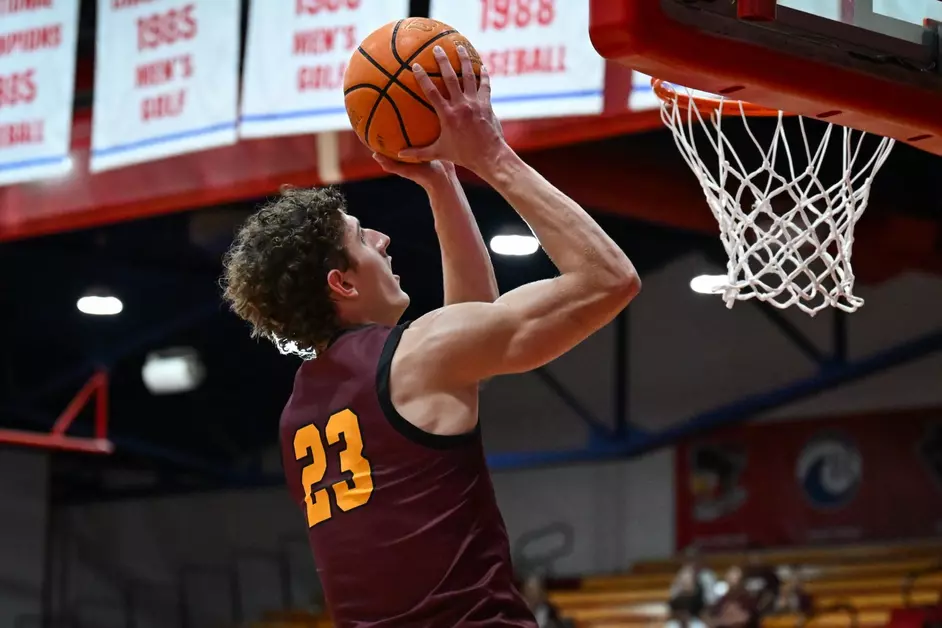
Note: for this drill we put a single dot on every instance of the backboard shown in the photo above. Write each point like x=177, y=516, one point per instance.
x=866, y=64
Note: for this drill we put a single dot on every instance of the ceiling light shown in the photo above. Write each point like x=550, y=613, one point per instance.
x=100, y=305
x=708, y=284
x=514, y=244
x=173, y=371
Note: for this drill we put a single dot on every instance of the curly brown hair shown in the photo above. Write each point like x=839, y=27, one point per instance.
x=276, y=269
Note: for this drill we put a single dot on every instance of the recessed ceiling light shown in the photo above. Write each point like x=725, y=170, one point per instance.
x=708, y=284
x=514, y=245
x=100, y=305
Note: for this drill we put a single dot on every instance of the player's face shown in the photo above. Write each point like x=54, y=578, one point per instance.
x=381, y=300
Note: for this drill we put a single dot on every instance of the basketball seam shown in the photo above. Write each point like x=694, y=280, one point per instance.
x=404, y=66
x=381, y=96
x=395, y=36
x=395, y=80
x=382, y=93
x=402, y=123
x=353, y=88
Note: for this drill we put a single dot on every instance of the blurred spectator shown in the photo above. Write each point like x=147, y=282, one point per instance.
x=737, y=608
x=762, y=582
x=792, y=597
x=535, y=594
x=691, y=593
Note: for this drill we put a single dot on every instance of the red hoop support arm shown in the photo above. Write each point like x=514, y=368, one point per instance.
x=57, y=439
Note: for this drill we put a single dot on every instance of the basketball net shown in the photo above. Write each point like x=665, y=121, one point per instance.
x=788, y=234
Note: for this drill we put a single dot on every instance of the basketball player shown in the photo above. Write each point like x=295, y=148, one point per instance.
x=380, y=439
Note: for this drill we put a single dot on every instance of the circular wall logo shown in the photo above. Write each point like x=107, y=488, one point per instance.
x=829, y=471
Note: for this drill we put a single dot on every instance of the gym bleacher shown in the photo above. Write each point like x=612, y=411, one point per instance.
x=854, y=586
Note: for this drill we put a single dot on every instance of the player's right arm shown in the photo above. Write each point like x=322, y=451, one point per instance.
x=535, y=323
x=462, y=344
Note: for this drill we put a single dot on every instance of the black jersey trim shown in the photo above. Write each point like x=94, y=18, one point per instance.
x=399, y=423
x=342, y=332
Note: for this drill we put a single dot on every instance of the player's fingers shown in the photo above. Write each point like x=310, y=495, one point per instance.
x=389, y=165
x=467, y=72
x=448, y=73
x=484, y=91
x=447, y=166
x=428, y=87
x=426, y=153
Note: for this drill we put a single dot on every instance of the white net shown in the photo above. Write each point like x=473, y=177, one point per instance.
x=788, y=234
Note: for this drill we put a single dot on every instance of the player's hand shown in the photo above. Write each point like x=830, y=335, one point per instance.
x=427, y=174
x=471, y=135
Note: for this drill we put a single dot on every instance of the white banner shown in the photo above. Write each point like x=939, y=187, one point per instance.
x=537, y=52
x=37, y=79
x=166, y=79
x=296, y=53
x=912, y=11
x=830, y=9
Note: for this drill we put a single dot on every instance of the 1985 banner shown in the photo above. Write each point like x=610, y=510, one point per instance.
x=296, y=55
x=37, y=78
x=166, y=79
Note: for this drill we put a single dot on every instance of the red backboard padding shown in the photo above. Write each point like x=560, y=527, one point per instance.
x=640, y=35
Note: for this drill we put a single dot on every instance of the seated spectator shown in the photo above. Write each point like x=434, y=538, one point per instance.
x=792, y=597
x=737, y=608
x=691, y=593
x=762, y=582
x=535, y=595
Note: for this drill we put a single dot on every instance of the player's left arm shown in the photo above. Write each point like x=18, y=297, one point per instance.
x=466, y=264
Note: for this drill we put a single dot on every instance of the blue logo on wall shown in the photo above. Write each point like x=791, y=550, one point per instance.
x=829, y=471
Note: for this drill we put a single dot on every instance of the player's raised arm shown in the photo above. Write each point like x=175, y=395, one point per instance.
x=466, y=265
x=467, y=270
x=538, y=322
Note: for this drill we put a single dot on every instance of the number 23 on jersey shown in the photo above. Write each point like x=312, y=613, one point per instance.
x=308, y=442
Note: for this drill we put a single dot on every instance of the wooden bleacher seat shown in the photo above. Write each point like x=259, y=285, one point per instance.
x=293, y=619
x=882, y=568
x=632, y=593
x=879, y=600
x=609, y=611
x=925, y=591
x=868, y=580
x=810, y=555
x=835, y=619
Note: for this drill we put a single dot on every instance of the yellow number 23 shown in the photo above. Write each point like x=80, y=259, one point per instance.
x=349, y=494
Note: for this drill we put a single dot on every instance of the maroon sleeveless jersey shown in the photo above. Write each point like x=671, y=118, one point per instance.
x=403, y=524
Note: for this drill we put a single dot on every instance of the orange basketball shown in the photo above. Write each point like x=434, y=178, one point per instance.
x=385, y=104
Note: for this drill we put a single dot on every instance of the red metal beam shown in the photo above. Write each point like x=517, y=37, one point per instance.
x=57, y=439
x=51, y=441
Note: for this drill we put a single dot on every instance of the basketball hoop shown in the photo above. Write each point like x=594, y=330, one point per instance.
x=788, y=235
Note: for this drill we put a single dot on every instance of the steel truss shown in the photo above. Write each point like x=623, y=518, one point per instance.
x=617, y=438
x=626, y=440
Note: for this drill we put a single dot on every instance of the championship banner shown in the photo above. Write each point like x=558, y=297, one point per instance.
x=830, y=9
x=296, y=54
x=537, y=52
x=848, y=479
x=166, y=79
x=912, y=11
x=37, y=78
